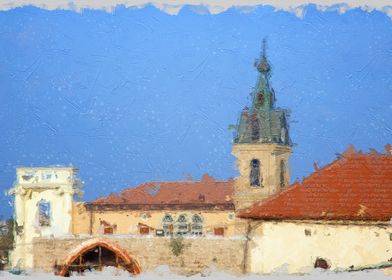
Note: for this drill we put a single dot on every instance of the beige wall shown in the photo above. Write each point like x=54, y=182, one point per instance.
x=225, y=254
x=275, y=244
x=269, y=156
x=126, y=221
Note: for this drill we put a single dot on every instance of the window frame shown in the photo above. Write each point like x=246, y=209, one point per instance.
x=44, y=213
x=167, y=225
x=255, y=171
x=197, y=226
x=182, y=227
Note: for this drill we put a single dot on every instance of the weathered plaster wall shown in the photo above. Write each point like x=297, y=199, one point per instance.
x=275, y=244
x=269, y=156
x=126, y=221
x=80, y=219
x=53, y=185
x=199, y=253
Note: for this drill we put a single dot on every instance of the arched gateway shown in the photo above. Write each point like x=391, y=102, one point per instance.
x=95, y=254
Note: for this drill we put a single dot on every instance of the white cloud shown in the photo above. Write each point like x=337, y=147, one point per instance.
x=214, y=6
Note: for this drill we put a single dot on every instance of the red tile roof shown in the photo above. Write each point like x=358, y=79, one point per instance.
x=355, y=187
x=177, y=194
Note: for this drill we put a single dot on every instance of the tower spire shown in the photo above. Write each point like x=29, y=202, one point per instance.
x=263, y=95
x=262, y=122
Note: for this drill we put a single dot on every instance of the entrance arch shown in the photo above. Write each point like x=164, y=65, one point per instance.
x=97, y=253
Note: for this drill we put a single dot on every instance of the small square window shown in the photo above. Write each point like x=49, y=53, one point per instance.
x=143, y=230
x=220, y=231
x=108, y=230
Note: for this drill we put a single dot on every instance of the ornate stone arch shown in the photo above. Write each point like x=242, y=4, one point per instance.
x=130, y=263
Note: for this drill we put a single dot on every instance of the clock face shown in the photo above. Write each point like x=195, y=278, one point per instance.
x=260, y=100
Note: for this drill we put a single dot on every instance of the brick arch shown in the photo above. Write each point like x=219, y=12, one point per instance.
x=131, y=264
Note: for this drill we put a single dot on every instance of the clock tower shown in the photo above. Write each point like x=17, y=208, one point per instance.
x=261, y=145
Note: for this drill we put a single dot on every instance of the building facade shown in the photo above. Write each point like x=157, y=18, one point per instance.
x=339, y=217
x=254, y=223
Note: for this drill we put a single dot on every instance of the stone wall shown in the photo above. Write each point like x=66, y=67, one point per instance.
x=199, y=253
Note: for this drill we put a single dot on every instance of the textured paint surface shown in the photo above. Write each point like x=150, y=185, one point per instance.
x=286, y=245
x=100, y=91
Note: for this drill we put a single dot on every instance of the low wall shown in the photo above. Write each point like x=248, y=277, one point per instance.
x=225, y=254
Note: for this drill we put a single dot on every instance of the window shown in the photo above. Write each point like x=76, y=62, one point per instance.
x=167, y=224
x=44, y=213
x=144, y=230
x=283, y=135
x=107, y=227
x=197, y=225
x=255, y=178
x=219, y=231
x=182, y=226
x=108, y=230
x=282, y=174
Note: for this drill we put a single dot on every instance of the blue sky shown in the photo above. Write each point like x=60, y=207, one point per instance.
x=139, y=95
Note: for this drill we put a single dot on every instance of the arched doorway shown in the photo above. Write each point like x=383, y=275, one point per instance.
x=321, y=263
x=96, y=254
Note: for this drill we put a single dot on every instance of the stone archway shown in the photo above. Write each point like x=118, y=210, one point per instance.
x=96, y=254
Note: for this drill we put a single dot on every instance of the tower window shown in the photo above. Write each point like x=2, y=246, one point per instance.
x=255, y=178
x=44, y=213
x=282, y=174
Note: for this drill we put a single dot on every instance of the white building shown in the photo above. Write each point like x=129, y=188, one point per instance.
x=337, y=218
x=43, y=207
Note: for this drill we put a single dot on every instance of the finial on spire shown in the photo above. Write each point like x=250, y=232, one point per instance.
x=264, y=47
x=263, y=66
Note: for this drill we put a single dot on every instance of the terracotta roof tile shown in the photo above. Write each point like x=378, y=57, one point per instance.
x=356, y=186
x=205, y=191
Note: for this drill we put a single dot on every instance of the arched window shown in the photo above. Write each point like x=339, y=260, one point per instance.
x=282, y=174
x=44, y=213
x=197, y=225
x=255, y=178
x=321, y=263
x=283, y=135
x=167, y=222
x=182, y=225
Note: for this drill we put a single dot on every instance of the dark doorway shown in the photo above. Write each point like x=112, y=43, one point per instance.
x=96, y=255
x=321, y=263
x=95, y=259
